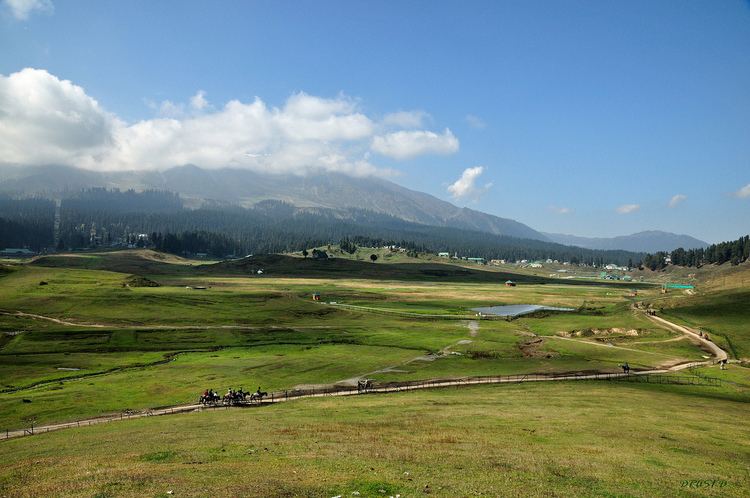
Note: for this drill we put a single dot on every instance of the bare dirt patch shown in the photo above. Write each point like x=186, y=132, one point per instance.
x=615, y=331
x=532, y=348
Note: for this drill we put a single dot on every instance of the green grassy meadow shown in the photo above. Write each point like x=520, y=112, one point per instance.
x=586, y=439
x=91, y=341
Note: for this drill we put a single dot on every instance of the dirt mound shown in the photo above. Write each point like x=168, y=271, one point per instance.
x=601, y=332
x=532, y=348
x=136, y=281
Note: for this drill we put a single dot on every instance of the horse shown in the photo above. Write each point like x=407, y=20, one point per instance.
x=258, y=396
x=625, y=368
x=233, y=398
x=209, y=400
x=364, y=385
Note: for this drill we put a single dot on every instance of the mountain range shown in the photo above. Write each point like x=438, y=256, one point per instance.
x=332, y=192
x=648, y=241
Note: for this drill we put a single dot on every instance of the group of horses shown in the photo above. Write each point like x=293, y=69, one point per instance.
x=231, y=398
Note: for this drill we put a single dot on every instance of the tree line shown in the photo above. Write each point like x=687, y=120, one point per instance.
x=734, y=252
x=100, y=217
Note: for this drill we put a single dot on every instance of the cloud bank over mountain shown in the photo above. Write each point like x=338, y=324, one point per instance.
x=47, y=120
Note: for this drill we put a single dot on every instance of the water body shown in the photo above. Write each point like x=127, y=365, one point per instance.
x=516, y=309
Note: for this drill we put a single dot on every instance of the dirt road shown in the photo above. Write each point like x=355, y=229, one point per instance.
x=717, y=352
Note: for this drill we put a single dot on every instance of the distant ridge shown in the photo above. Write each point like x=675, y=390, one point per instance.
x=647, y=241
x=326, y=194
x=245, y=188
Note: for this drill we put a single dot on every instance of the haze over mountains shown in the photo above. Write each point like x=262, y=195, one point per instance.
x=647, y=241
x=329, y=192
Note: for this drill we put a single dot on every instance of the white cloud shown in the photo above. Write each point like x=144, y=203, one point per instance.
x=676, y=199
x=46, y=120
x=408, y=144
x=628, y=208
x=22, y=9
x=560, y=210
x=305, y=117
x=169, y=109
x=744, y=192
x=198, y=101
x=406, y=119
x=465, y=187
x=475, y=122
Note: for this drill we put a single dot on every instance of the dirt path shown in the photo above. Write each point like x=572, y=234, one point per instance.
x=118, y=326
x=408, y=314
x=674, y=339
x=51, y=319
x=473, y=328
x=718, y=353
x=603, y=345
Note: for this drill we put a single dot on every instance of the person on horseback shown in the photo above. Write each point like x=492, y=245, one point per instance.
x=626, y=368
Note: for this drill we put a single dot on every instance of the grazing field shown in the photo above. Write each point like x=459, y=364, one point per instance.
x=92, y=341
x=101, y=334
x=724, y=314
x=582, y=439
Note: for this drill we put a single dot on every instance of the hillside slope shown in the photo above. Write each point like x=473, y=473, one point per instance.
x=243, y=187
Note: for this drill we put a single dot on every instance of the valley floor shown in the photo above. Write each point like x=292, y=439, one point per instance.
x=582, y=439
x=97, y=341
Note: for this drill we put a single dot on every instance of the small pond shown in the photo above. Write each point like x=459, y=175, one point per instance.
x=516, y=309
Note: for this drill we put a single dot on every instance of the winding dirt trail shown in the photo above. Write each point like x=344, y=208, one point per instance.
x=718, y=354
x=121, y=326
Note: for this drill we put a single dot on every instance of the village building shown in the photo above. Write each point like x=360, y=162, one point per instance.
x=12, y=251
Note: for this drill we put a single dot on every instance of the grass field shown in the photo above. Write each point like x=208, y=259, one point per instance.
x=724, y=314
x=587, y=439
x=92, y=341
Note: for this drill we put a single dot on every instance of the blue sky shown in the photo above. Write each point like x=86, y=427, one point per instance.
x=557, y=114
